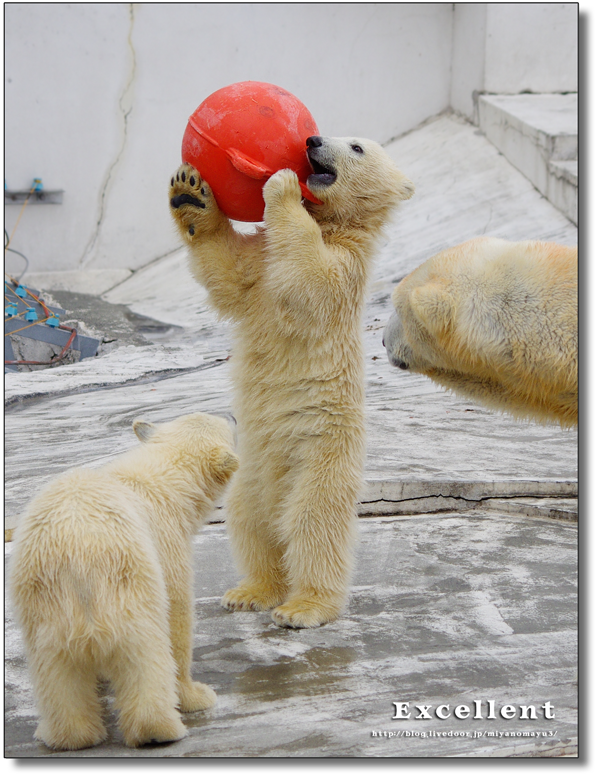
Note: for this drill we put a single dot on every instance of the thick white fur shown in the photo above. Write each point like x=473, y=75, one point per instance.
x=102, y=583
x=495, y=321
x=295, y=290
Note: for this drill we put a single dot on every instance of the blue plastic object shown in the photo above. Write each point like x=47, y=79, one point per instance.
x=37, y=184
x=53, y=322
x=31, y=315
x=21, y=291
x=10, y=311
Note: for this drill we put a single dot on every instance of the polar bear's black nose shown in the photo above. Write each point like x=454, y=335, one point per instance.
x=315, y=141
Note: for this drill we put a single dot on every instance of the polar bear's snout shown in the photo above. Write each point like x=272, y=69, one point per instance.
x=392, y=341
x=321, y=160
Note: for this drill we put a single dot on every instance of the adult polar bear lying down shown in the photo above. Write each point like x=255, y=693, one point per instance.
x=495, y=321
x=295, y=291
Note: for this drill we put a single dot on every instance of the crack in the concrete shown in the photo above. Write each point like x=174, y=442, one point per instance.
x=420, y=497
x=125, y=106
x=480, y=499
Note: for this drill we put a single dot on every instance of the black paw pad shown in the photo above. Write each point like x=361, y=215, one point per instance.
x=186, y=199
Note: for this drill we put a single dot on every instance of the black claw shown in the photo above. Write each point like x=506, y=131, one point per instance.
x=183, y=177
x=172, y=181
x=192, y=181
x=192, y=231
x=202, y=191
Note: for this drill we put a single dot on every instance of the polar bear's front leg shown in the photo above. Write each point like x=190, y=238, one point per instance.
x=290, y=229
x=299, y=263
x=222, y=260
x=193, y=695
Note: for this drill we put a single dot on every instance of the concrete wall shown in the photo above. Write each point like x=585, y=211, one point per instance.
x=509, y=48
x=97, y=96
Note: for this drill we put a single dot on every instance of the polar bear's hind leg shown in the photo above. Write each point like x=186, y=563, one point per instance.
x=251, y=519
x=318, y=526
x=69, y=701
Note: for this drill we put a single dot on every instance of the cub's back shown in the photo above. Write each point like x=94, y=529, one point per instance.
x=81, y=543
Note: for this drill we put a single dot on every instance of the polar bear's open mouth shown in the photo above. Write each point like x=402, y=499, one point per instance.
x=324, y=175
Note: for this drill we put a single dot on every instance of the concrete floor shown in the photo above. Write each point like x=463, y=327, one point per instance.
x=445, y=609
x=470, y=595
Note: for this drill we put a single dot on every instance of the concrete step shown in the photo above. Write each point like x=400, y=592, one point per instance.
x=553, y=499
x=549, y=508
x=537, y=133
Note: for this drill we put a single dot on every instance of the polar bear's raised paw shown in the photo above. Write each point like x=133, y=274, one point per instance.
x=192, y=202
x=281, y=185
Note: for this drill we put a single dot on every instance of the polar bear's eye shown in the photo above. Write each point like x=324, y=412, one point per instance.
x=357, y=148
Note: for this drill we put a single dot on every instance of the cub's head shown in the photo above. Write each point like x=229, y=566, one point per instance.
x=419, y=335
x=203, y=442
x=354, y=178
x=445, y=321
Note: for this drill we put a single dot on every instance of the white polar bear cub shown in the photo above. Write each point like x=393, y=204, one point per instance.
x=102, y=583
x=296, y=291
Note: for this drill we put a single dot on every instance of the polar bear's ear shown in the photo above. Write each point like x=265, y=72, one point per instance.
x=223, y=463
x=432, y=307
x=143, y=429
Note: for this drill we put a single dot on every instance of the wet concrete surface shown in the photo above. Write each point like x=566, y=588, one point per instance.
x=444, y=610
x=112, y=323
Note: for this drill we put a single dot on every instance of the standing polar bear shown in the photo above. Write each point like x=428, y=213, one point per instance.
x=102, y=583
x=495, y=321
x=296, y=291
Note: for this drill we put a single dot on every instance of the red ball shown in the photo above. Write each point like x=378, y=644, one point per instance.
x=242, y=134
